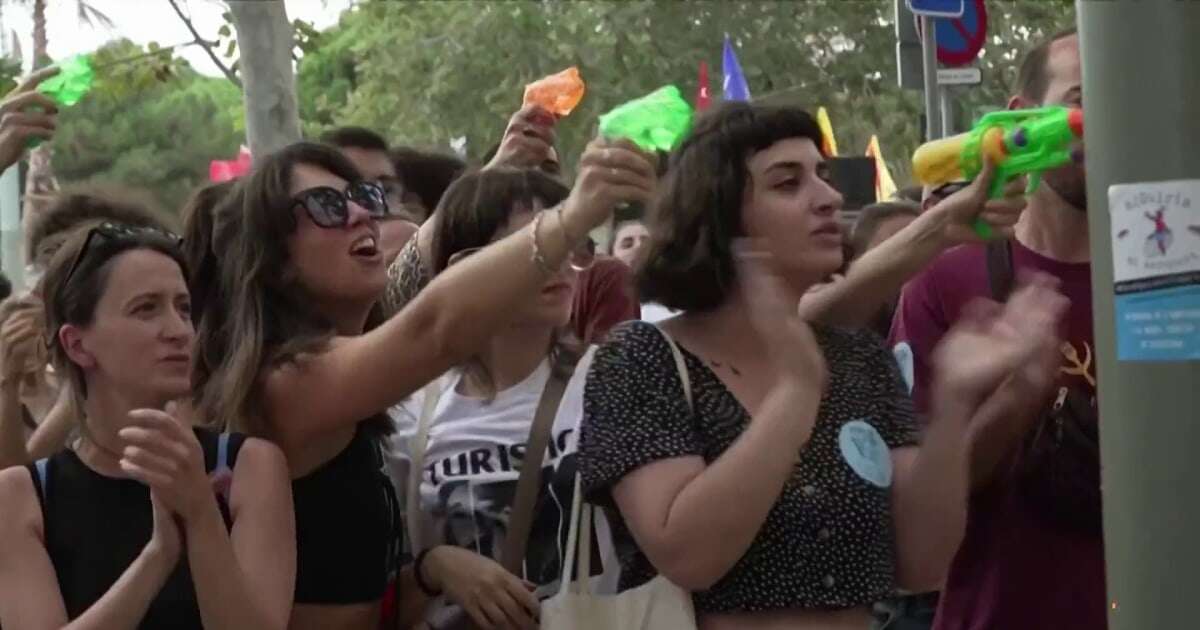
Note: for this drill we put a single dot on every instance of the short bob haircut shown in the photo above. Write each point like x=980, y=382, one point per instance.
x=698, y=211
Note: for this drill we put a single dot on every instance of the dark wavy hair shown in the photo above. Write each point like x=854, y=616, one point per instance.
x=268, y=319
x=698, y=211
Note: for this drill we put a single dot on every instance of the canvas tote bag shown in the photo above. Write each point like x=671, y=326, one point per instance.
x=656, y=605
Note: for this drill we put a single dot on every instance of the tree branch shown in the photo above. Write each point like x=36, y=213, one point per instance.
x=229, y=73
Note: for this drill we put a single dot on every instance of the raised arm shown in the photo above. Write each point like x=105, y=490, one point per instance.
x=528, y=142
x=456, y=314
x=29, y=594
x=880, y=273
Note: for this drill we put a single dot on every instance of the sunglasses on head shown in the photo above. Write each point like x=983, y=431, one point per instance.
x=581, y=259
x=109, y=232
x=329, y=207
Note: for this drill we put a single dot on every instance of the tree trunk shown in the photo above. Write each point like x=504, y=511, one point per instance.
x=264, y=37
x=40, y=183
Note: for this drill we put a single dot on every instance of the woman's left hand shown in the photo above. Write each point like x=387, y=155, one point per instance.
x=164, y=454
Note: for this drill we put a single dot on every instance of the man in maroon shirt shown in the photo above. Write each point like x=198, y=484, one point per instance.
x=1015, y=569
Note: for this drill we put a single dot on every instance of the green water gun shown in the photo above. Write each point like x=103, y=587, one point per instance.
x=1018, y=142
x=73, y=81
x=655, y=122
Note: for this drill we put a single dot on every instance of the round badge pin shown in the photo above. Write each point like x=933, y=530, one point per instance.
x=866, y=453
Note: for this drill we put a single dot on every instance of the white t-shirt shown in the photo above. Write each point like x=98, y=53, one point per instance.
x=472, y=462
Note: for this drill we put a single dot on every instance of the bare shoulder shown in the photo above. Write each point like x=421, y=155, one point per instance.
x=19, y=497
x=258, y=454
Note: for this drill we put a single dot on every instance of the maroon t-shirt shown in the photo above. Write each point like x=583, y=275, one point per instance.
x=1012, y=570
x=603, y=299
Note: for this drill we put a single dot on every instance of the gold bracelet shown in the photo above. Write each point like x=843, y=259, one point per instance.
x=538, y=258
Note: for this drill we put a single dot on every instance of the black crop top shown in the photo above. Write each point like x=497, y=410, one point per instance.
x=828, y=542
x=95, y=527
x=347, y=527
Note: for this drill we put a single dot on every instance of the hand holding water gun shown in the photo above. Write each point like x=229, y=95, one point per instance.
x=529, y=138
x=26, y=115
x=1017, y=143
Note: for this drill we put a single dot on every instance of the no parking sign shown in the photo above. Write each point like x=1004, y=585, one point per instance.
x=959, y=39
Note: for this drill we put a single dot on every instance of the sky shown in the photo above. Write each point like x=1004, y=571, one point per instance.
x=145, y=21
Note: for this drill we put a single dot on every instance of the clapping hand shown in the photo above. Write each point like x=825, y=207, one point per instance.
x=993, y=343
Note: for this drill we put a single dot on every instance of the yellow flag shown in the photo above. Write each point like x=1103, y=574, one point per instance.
x=829, y=143
x=884, y=186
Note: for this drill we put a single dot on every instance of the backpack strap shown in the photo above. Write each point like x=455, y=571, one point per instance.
x=1001, y=276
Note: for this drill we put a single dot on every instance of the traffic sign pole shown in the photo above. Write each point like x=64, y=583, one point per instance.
x=933, y=121
x=947, y=107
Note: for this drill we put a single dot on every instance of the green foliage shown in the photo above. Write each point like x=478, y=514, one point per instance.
x=10, y=72
x=425, y=72
x=149, y=122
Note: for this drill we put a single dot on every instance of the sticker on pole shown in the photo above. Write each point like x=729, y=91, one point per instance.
x=1156, y=270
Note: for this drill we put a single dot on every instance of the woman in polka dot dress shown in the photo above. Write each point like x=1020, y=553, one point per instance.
x=791, y=491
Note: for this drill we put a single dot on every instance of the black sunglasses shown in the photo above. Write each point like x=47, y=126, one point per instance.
x=109, y=232
x=329, y=207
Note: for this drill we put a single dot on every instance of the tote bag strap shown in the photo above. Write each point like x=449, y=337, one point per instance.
x=579, y=534
x=572, y=536
x=680, y=366
x=412, y=507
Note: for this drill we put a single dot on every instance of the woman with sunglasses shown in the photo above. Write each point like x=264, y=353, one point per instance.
x=145, y=522
x=476, y=442
x=307, y=362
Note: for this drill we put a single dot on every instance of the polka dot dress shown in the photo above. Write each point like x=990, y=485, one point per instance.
x=828, y=543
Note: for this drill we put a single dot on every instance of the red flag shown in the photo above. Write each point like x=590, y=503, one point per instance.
x=703, y=97
x=225, y=170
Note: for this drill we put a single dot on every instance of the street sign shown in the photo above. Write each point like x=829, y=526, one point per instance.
x=936, y=8
x=960, y=39
x=959, y=76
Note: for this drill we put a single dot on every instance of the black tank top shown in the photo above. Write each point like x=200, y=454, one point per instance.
x=95, y=526
x=347, y=527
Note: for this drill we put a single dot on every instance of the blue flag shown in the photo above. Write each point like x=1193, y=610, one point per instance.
x=734, y=87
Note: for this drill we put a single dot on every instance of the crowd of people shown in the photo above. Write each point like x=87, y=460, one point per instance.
x=367, y=386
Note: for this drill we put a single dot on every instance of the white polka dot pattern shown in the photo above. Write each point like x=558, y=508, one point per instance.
x=828, y=542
